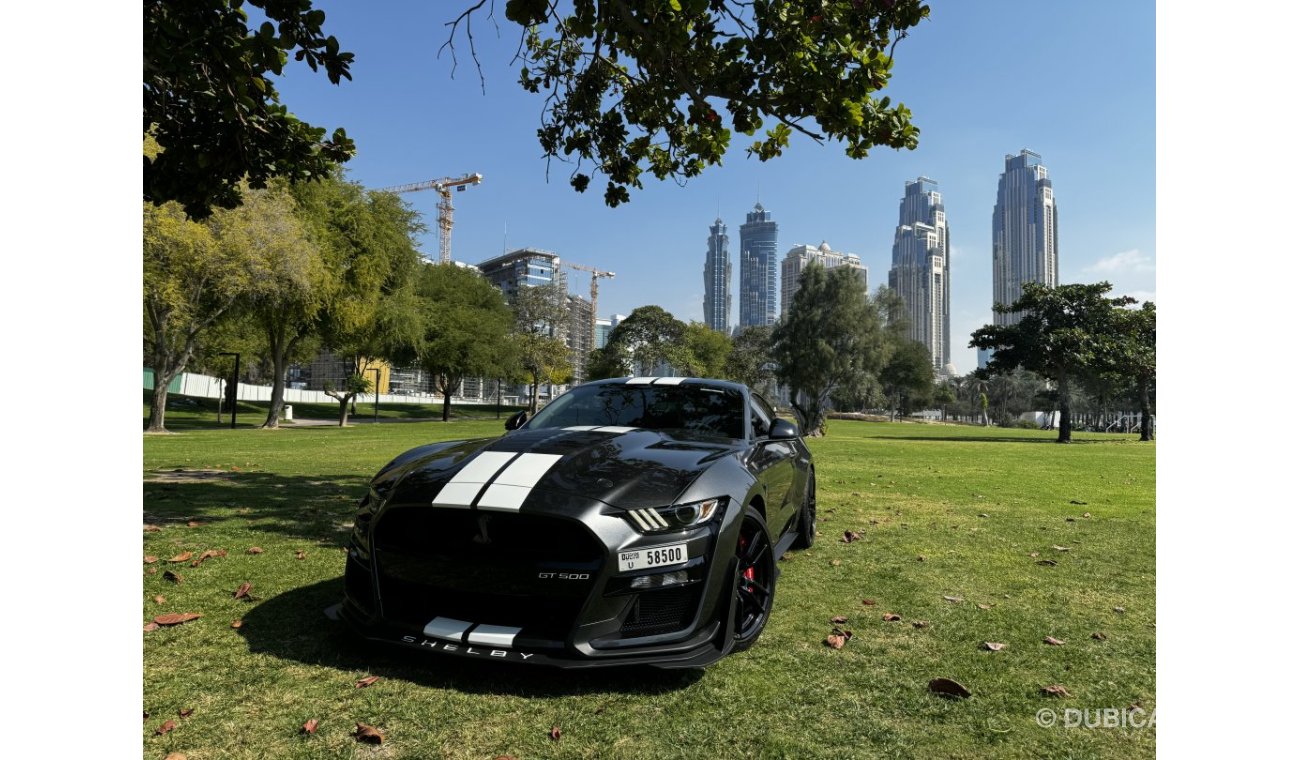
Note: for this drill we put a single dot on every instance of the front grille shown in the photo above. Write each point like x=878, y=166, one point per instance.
x=662, y=611
x=435, y=562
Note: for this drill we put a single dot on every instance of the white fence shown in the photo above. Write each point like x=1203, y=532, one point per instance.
x=204, y=386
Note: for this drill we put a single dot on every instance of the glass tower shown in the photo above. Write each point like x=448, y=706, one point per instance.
x=758, y=267
x=920, y=273
x=1024, y=231
x=717, y=280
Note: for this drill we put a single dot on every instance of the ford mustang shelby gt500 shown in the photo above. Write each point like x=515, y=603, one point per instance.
x=631, y=521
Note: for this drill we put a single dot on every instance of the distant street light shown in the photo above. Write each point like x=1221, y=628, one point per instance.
x=232, y=389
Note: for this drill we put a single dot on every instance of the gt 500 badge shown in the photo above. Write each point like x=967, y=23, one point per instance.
x=566, y=576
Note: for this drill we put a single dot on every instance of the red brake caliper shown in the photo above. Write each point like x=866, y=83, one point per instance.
x=749, y=571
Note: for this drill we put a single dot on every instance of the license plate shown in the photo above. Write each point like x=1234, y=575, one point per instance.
x=658, y=556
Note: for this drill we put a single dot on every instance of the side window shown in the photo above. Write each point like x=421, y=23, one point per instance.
x=760, y=420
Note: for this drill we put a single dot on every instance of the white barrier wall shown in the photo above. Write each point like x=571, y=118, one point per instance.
x=204, y=386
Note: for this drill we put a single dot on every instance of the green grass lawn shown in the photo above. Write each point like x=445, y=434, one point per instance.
x=944, y=511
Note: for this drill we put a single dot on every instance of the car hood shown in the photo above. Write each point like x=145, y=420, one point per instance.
x=627, y=468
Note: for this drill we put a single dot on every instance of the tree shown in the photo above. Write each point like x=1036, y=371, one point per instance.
x=831, y=339
x=706, y=352
x=190, y=281
x=210, y=99
x=1063, y=333
x=466, y=327
x=650, y=336
x=633, y=87
x=750, y=361
x=290, y=282
x=1134, y=360
x=369, y=310
x=537, y=346
x=908, y=377
x=943, y=394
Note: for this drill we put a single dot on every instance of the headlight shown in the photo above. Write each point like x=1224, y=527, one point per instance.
x=675, y=518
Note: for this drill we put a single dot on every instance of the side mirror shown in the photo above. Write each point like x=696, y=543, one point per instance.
x=516, y=421
x=782, y=430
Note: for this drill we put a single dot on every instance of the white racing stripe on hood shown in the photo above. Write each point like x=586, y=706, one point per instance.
x=465, y=485
x=508, y=492
x=494, y=635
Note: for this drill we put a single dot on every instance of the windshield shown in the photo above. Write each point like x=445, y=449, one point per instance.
x=697, y=408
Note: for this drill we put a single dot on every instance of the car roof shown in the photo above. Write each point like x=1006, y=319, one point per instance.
x=663, y=381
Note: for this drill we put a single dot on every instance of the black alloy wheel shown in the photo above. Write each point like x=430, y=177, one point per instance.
x=756, y=579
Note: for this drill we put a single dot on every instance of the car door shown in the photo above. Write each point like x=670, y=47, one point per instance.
x=774, y=463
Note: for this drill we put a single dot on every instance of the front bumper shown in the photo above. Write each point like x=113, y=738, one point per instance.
x=541, y=586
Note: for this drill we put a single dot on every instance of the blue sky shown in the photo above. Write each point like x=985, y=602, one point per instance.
x=1074, y=82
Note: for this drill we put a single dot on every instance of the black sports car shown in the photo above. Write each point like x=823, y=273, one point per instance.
x=631, y=521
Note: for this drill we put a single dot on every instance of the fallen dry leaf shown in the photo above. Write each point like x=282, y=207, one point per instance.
x=1080, y=503
x=850, y=536
x=300, y=554
x=1120, y=610
x=149, y=559
x=983, y=514
x=1061, y=548
x=1056, y=690
x=1053, y=641
x=994, y=646
x=1069, y=519
x=1087, y=515
x=920, y=623
x=869, y=602
x=175, y=756
x=173, y=577
x=150, y=626
x=920, y=558
x=369, y=734
x=839, y=620
x=846, y=633
x=310, y=726
x=176, y=618
x=151, y=570
x=890, y=617
x=193, y=524
x=151, y=529
x=182, y=557
x=236, y=623
x=954, y=599
x=160, y=599
x=946, y=687
x=243, y=590
x=185, y=712
x=367, y=681
x=835, y=642
x=1033, y=554
x=985, y=606
x=1046, y=562
x=254, y=550
x=165, y=727
x=835, y=563
x=555, y=733
x=1100, y=636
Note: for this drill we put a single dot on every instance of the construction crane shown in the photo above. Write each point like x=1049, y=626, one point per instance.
x=443, y=186
x=596, y=274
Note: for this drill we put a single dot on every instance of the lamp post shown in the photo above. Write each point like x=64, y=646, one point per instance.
x=233, y=389
x=376, y=371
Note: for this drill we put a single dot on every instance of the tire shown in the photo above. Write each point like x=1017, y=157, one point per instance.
x=755, y=579
x=807, y=525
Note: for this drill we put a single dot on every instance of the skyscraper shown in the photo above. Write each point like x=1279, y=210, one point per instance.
x=799, y=257
x=717, y=280
x=1024, y=231
x=758, y=291
x=920, y=272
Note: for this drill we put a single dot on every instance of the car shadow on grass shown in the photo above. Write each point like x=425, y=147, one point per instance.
x=293, y=626
x=314, y=508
